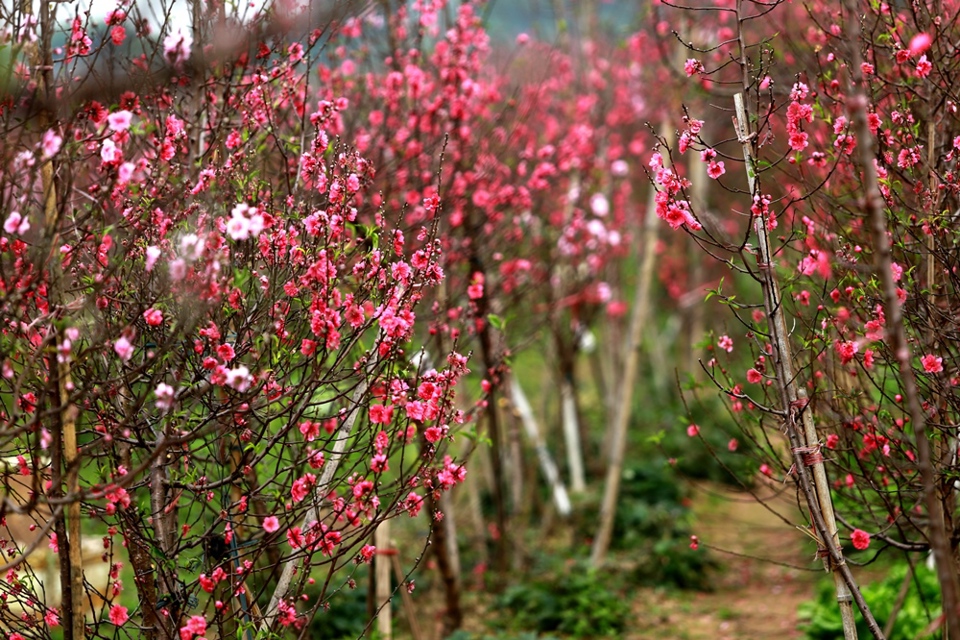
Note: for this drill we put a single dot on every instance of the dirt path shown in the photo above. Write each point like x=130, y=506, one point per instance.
x=754, y=597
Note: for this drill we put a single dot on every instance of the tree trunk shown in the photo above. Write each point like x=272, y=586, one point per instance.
x=547, y=465
x=447, y=566
x=571, y=432
x=877, y=220
x=638, y=320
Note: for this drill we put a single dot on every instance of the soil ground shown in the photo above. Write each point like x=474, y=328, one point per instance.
x=758, y=590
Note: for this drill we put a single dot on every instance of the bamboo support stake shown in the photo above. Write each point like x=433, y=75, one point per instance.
x=789, y=394
x=382, y=568
x=844, y=596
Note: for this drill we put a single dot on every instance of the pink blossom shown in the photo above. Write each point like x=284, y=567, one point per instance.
x=295, y=537
x=154, y=317
x=239, y=379
x=475, y=290
x=196, y=626
x=301, y=487
x=271, y=524
x=433, y=434
x=897, y=271
x=16, y=224
x=310, y=430
x=798, y=140
x=176, y=46
x=226, y=352
x=732, y=445
x=118, y=614
x=295, y=53
x=846, y=350
x=165, y=395
x=119, y=120
x=52, y=618
x=692, y=66
x=766, y=470
x=860, y=539
x=51, y=143
x=924, y=67
x=920, y=43
x=124, y=348
x=110, y=153
x=832, y=441
x=715, y=169
x=754, y=376
x=117, y=35
x=207, y=584
x=115, y=17
x=725, y=343
x=599, y=205
x=380, y=414
x=932, y=363
x=693, y=431
x=413, y=504
x=152, y=255
x=125, y=172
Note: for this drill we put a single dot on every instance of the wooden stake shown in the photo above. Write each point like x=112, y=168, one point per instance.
x=382, y=567
x=818, y=502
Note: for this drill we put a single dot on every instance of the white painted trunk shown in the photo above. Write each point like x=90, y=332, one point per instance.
x=571, y=436
x=547, y=466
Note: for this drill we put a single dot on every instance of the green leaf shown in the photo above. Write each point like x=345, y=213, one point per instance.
x=657, y=438
x=496, y=321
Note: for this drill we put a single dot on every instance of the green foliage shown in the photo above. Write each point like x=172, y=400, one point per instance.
x=578, y=603
x=346, y=618
x=654, y=523
x=652, y=506
x=671, y=562
x=821, y=617
x=707, y=456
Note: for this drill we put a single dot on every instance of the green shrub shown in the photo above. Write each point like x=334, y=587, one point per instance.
x=652, y=506
x=653, y=523
x=671, y=562
x=578, y=603
x=821, y=617
x=346, y=617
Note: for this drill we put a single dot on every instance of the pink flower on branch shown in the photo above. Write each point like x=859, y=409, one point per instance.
x=692, y=66
x=119, y=120
x=118, y=614
x=196, y=626
x=932, y=363
x=860, y=539
x=920, y=43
